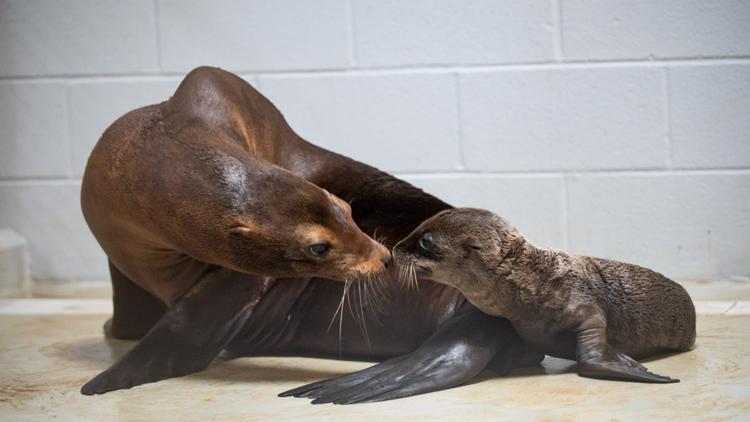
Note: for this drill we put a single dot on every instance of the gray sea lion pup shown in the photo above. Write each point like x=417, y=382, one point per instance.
x=602, y=313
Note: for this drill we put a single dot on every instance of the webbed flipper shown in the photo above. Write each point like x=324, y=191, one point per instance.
x=597, y=359
x=461, y=348
x=621, y=371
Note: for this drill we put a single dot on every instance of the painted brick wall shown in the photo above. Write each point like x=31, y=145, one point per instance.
x=614, y=128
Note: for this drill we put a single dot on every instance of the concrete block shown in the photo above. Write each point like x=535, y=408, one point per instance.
x=686, y=225
x=14, y=264
x=48, y=214
x=639, y=29
x=94, y=105
x=423, y=32
x=710, y=116
x=533, y=203
x=394, y=122
x=34, y=136
x=571, y=119
x=253, y=35
x=64, y=37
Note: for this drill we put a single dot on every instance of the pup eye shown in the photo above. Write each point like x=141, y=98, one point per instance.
x=426, y=242
x=474, y=246
x=320, y=249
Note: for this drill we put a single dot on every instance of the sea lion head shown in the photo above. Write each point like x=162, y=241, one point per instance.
x=459, y=247
x=293, y=228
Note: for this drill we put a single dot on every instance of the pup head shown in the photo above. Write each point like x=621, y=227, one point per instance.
x=457, y=247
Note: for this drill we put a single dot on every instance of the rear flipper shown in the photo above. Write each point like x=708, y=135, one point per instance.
x=597, y=359
x=461, y=348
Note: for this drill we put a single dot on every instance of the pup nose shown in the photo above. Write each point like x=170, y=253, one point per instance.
x=387, y=260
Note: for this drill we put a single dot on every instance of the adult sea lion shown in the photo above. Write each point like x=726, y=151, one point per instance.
x=200, y=204
x=602, y=313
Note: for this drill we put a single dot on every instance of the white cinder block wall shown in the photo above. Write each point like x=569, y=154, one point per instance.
x=613, y=128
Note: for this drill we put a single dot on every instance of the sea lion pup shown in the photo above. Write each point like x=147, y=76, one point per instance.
x=602, y=313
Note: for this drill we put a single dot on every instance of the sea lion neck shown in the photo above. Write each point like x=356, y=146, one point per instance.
x=521, y=271
x=381, y=204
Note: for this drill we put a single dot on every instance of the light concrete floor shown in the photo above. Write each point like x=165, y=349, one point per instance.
x=50, y=347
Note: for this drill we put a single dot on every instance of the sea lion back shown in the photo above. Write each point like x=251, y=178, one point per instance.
x=645, y=308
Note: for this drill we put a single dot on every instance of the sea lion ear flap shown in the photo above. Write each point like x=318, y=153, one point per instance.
x=472, y=244
x=241, y=230
x=244, y=229
x=331, y=197
x=338, y=201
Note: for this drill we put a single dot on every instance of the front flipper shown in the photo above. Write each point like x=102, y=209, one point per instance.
x=597, y=359
x=188, y=337
x=456, y=353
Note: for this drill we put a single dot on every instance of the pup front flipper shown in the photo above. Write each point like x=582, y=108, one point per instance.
x=597, y=359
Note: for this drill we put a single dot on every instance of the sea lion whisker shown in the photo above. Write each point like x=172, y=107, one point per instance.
x=339, y=307
x=366, y=297
x=374, y=304
x=380, y=289
x=381, y=239
x=411, y=275
x=378, y=297
x=403, y=277
x=414, y=276
x=349, y=304
x=406, y=278
x=372, y=301
x=362, y=314
x=344, y=296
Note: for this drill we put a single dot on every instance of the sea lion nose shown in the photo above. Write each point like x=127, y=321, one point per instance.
x=387, y=260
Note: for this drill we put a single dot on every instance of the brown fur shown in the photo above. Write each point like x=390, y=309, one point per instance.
x=194, y=197
x=550, y=296
x=167, y=198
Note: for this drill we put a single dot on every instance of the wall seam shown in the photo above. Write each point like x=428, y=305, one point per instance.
x=471, y=173
x=558, y=39
x=412, y=69
x=565, y=212
x=459, y=121
x=666, y=88
x=351, y=51
x=157, y=24
x=69, y=131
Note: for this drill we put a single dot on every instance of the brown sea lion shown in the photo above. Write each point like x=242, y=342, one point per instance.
x=602, y=313
x=200, y=204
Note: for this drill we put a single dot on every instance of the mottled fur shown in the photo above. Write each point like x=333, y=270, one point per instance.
x=595, y=310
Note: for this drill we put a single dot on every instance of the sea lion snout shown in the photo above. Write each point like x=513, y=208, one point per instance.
x=386, y=258
x=364, y=256
x=375, y=262
x=410, y=260
x=387, y=261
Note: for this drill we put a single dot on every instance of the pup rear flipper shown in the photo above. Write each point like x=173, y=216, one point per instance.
x=622, y=371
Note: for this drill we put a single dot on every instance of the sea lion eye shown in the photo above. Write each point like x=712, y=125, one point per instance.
x=426, y=242
x=320, y=249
